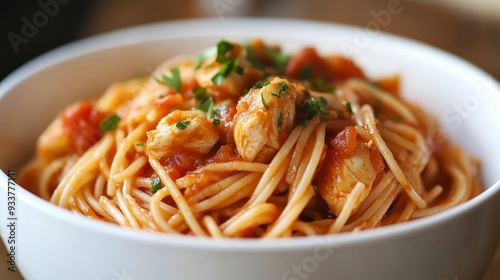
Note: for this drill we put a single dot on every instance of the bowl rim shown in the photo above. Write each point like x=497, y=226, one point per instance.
x=136, y=34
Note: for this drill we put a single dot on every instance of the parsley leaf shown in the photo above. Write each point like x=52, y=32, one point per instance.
x=199, y=93
x=222, y=48
x=305, y=123
x=237, y=68
x=252, y=59
x=280, y=120
x=182, y=124
x=216, y=121
x=264, y=101
x=279, y=59
x=260, y=84
x=319, y=83
x=283, y=90
x=173, y=82
x=313, y=107
x=228, y=64
x=218, y=78
x=305, y=73
x=225, y=70
x=207, y=106
x=204, y=55
x=110, y=123
x=315, y=189
x=348, y=107
x=155, y=185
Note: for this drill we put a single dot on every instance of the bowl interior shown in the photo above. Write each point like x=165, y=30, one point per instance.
x=463, y=98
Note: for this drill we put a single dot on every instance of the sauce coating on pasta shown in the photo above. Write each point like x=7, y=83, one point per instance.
x=249, y=141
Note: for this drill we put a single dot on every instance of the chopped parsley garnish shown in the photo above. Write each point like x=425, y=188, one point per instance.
x=223, y=72
x=226, y=69
x=139, y=144
x=173, y=82
x=280, y=120
x=207, y=106
x=398, y=117
x=204, y=55
x=305, y=73
x=199, y=61
x=315, y=189
x=264, y=101
x=252, y=59
x=305, y=123
x=313, y=107
x=319, y=83
x=182, y=124
x=279, y=59
x=216, y=121
x=283, y=90
x=218, y=78
x=110, y=123
x=155, y=185
x=228, y=64
x=199, y=93
x=348, y=107
x=237, y=68
x=260, y=84
x=223, y=47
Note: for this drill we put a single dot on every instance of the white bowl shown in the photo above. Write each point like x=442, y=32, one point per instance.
x=52, y=243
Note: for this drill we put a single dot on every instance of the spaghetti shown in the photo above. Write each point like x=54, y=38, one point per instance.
x=247, y=141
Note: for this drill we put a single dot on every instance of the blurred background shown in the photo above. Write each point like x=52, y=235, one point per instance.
x=468, y=29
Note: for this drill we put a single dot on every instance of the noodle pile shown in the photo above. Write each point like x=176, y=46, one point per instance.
x=247, y=141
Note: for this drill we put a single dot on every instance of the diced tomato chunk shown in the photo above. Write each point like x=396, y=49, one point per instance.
x=81, y=121
x=344, y=143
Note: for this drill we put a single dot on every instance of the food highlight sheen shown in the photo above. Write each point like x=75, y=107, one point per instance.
x=248, y=141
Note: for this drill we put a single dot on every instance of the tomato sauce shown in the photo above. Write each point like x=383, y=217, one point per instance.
x=329, y=68
x=81, y=122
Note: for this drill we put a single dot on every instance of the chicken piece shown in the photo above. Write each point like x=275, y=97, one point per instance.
x=349, y=162
x=54, y=141
x=232, y=84
x=182, y=131
x=154, y=89
x=264, y=119
x=75, y=130
x=118, y=94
